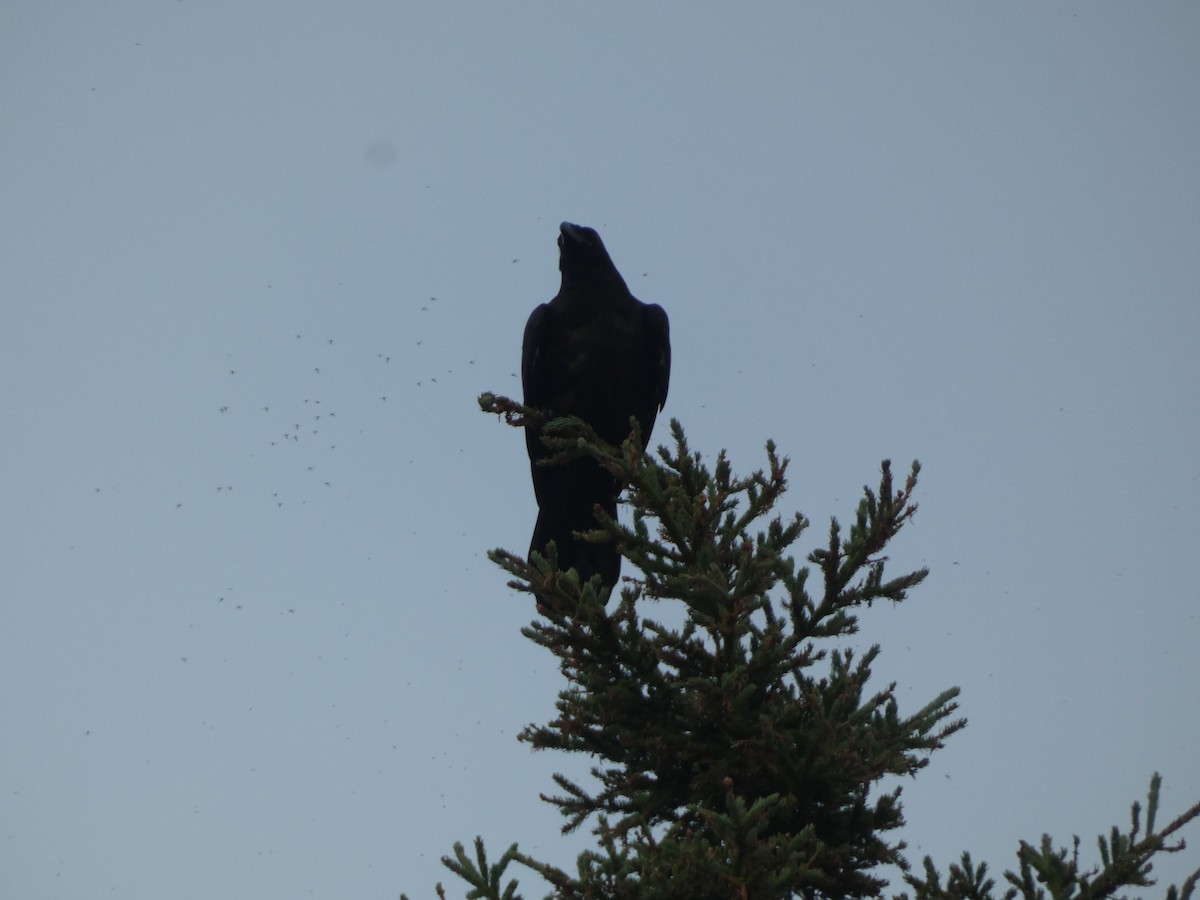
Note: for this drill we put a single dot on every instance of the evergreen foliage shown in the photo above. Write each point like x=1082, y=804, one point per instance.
x=738, y=754
x=1046, y=872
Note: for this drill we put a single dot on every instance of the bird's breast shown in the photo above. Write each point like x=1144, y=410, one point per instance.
x=600, y=351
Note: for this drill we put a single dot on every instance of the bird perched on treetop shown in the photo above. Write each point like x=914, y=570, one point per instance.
x=596, y=352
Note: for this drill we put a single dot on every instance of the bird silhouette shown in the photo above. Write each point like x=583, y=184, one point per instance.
x=596, y=352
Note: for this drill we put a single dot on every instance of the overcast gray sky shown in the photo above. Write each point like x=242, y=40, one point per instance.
x=258, y=259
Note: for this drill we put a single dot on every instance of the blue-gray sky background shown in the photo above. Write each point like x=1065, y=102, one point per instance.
x=248, y=652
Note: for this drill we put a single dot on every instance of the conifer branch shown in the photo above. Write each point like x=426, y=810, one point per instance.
x=674, y=713
x=1045, y=871
x=738, y=752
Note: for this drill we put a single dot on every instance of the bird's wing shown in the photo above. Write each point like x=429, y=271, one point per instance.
x=658, y=344
x=533, y=352
x=654, y=368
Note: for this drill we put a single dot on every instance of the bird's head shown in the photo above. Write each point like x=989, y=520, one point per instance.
x=581, y=254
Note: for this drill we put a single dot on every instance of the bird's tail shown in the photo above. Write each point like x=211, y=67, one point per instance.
x=586, y=557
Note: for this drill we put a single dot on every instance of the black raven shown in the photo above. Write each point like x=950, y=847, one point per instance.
x=596, y=352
